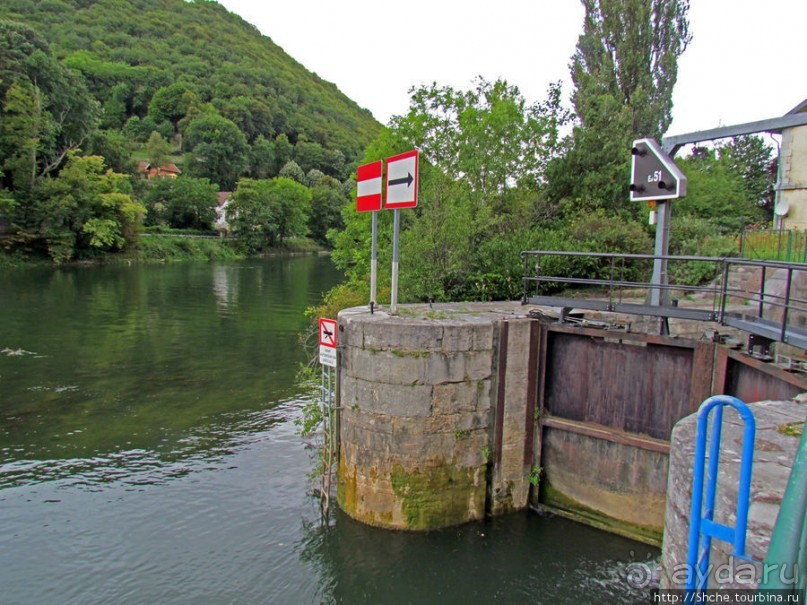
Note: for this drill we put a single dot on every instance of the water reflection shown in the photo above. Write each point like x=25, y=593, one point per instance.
x=136, y=467
x=225, y=288
x=145, y=364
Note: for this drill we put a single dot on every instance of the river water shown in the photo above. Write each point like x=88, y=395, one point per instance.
x=148, y=454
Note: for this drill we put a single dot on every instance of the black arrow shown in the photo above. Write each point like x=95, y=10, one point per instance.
x=407, y=180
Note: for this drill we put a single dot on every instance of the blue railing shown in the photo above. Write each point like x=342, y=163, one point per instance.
x=703, y=527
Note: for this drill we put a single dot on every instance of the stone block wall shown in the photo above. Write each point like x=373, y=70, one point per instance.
x=420, y=395
x=415, y=397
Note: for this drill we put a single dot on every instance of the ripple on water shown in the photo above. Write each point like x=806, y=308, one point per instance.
x=208, y=448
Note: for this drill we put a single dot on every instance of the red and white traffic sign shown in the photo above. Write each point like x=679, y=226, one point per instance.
x=327, y=333
x=402, y=180
x=327, y=342
x=368, y=183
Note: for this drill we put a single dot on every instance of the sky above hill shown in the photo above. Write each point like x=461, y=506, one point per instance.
x=746, y=61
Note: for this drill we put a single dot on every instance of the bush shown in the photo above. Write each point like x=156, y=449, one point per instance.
x=171, y=248
x=691, y=236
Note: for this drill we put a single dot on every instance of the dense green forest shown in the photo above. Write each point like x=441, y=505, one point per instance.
x=89, y=88
x=162, y=82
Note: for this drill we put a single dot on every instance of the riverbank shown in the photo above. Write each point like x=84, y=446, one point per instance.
x=168, y=248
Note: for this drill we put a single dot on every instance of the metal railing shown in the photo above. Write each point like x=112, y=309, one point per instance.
x=787, y=553
x=761, y=297
x=702, y=526
x=786, y=245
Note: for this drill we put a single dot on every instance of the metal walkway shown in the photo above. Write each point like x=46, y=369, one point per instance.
x=763, y=298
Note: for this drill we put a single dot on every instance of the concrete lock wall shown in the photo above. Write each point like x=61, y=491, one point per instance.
x=418, y=397
x=454, y=412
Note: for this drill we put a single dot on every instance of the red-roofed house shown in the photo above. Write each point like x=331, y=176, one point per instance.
x=165, y=171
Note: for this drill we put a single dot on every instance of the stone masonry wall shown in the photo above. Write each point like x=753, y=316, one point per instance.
x=415, y=417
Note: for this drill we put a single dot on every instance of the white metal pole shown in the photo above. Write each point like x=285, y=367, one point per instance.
x=374, y=261
x=393, y=306
x=658, y=295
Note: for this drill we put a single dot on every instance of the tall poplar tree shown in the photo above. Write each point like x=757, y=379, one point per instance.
x=629, y=50
x=624, y=70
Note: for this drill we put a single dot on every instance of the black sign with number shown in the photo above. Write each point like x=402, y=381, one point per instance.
x=654, y=175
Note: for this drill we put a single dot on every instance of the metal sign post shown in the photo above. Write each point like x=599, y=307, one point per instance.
x=368, y=199
x=659, y=296
x=328, y=336
x=396, y=231
x=374, y=262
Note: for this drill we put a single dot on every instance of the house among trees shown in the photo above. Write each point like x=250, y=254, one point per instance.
x=791, y=186
x=163, y=171
x=220, y=224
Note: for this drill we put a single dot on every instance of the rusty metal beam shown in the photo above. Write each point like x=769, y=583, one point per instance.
x=598, y=431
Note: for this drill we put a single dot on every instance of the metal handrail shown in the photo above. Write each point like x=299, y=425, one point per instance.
x=787, y=554
x=702, y=526
x=766, y=303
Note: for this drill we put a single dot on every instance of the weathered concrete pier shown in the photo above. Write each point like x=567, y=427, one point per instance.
x=453, y=412
x=417, y=395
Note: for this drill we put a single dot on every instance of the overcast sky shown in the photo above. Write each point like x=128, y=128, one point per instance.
x=747, y=60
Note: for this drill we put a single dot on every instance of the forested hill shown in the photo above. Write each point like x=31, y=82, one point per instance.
x=160, y=65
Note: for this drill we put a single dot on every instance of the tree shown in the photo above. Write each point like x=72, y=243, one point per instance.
x=294, y=202
x=483, y=156
x=262, y=158
x=749, y=158
x=171, y=103
x=629, y=51
x=624, y=71
x=220, y=151
x=158, y=149
x=291, y=170
x=45, y=109
x=182, y=203
x=717, y=193
x=268, y=212
x=114, y=147
x=284, y=151
x=327, y=201
x=309, y=155
x=86, y=208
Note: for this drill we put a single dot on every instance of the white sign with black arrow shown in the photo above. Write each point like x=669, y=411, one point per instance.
x=402, y=180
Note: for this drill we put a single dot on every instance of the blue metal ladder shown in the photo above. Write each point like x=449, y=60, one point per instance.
x=702, y=526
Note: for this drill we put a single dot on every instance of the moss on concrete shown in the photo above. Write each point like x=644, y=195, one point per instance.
x=440, y=496
x=556, y=501
x=791, y=429
x=346, y=493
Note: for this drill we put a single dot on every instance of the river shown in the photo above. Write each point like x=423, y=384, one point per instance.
x=148, y=454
